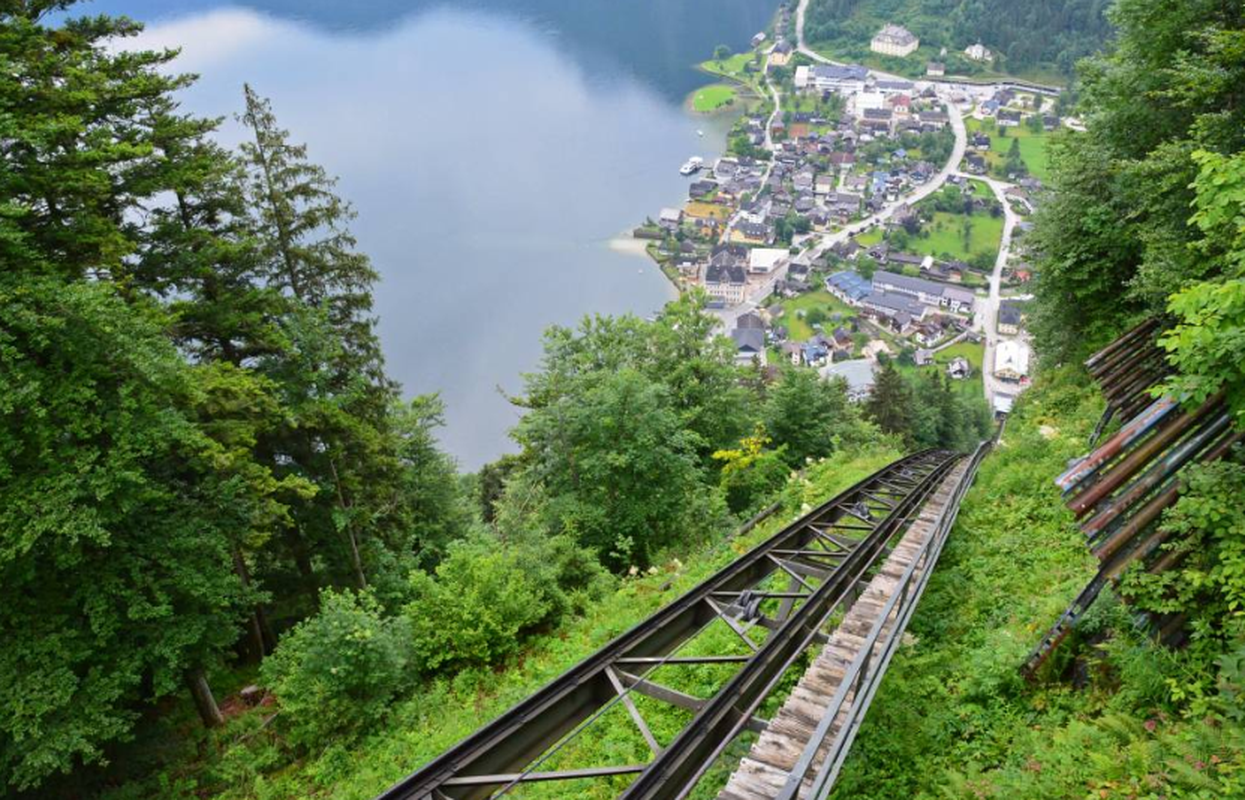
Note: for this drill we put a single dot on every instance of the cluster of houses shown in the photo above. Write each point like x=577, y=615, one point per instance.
x=928, y=311
x=1008, y=110
x=746, y=217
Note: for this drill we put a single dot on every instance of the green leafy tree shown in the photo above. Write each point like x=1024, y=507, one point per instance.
x=721, y=53
x=336, y=672
x=618, y=466
x=117, y=581
x=752, y=472
x=331, y=380
x=1207, y=341
x=487, y=595
x=809, y=417
x=1114, y=237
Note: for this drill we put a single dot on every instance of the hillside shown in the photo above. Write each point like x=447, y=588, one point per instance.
x=1035, y=39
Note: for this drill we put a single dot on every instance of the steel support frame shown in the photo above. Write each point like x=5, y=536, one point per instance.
x=674, y=774
x=499, y=755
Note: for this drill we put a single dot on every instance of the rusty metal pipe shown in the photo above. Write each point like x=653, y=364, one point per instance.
x=1163, y=468
x=1132, y=369
x=1131, y=432
x=1124, y=338
x=1138, y=378
x=1148, y=513
x=1118, y=361
x=1140, y=457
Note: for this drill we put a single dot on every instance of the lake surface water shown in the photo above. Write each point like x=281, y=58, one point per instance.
x=494, y=151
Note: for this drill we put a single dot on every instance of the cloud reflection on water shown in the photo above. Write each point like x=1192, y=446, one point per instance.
x=489, y=171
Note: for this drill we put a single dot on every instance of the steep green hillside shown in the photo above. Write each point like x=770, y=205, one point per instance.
x=1039, y=39
x=1116, y=716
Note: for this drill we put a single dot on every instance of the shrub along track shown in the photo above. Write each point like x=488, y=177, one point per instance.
x=774, y=600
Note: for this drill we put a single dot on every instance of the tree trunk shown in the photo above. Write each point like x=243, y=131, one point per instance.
x=256, y=646
x=354, y=541
x=205, y=702
x=302, y=558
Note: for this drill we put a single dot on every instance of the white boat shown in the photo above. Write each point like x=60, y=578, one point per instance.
x=692, y=166
x=700, y=133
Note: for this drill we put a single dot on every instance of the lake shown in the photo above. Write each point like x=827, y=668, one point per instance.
x=494, y=151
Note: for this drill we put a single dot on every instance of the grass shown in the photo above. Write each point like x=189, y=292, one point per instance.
x=1032, y=148
x=229, y=764
x=733, y=68
x=707, y=210
x=871, y=237
x=798, y=330
x=712, y=98
x=975, y=353
x=945, y=237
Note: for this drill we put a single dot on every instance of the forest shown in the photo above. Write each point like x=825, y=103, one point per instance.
x=208, y=480
x=1030, y=38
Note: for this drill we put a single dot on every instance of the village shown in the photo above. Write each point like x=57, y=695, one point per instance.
x=859, y=217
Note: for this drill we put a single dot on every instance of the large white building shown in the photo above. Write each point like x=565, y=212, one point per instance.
x=726, y=283
x=1011, y=360
x=894, y=40
x=831, y=77
x=931, y=293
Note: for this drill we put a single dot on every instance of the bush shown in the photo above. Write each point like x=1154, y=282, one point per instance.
x=338, y=669
x=487, y=595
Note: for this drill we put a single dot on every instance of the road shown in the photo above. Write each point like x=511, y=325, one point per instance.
x=986, y=310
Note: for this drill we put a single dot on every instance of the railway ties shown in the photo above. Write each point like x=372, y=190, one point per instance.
x=767, y=607
x=799, y=753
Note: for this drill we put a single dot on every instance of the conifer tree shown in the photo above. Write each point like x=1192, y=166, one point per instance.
x=332, y=382
x=890, y=402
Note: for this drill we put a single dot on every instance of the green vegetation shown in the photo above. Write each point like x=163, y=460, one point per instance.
x=927, y=409
x=1038, y=41
x=1115, y=238
x=800, y=313
x=713, y=98
x=954, y=718
x=944, y=236
x=1032, y=146
x=207, y=479
x=744, y=68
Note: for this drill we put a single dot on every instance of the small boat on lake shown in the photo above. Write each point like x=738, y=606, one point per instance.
x=692, y=166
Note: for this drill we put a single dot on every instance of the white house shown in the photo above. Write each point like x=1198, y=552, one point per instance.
x=847, y=79
x=977, y=52
x=1011, y=360
x=864, y=101
x=894, y=40
x=858, y=374
x=763, y=260
x=930, y=293
x=726, y=283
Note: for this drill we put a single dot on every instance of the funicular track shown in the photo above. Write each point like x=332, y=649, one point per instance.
x=826, y=559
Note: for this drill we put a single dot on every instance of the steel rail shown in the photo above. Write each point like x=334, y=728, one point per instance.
x=861, y=681
x=674, y=773
x=499, y=754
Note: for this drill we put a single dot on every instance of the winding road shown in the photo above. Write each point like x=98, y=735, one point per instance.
x=986, y=310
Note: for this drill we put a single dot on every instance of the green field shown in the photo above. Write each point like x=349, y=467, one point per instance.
x=973, y=352
x=871, y=237
x=945, y=236
x=713, y=98
x=1032, y=148
x=733, y=68
x=798, y=330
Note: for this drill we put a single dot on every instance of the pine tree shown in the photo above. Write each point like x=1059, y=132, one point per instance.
x=332, y=381
x=890, y=402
